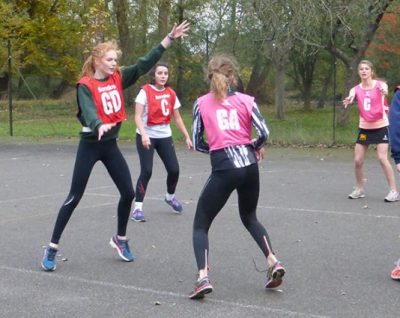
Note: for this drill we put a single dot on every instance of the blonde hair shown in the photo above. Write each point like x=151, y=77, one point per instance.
x=369, y=63
x=97, y=53
x=221, y=73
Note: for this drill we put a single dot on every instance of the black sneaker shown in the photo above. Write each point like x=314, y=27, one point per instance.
x=201, y=287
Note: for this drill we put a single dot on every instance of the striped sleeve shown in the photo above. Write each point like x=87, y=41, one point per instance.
x=198, y=141
x=258, y=122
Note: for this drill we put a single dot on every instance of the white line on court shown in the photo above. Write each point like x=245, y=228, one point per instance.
x=157, y=292
x=288, y=209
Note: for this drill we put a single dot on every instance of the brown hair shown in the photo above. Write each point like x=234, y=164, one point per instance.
x=369, y=63
x=222, y=72
x=98, y=52
x=152, y=72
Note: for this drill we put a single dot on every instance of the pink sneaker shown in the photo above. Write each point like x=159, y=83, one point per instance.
x=396, y=271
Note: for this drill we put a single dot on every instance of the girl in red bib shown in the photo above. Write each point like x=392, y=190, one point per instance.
x=101, y=111
x=156, y=103
x=373, y=128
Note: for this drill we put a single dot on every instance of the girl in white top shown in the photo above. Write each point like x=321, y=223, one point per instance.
x=156, y=103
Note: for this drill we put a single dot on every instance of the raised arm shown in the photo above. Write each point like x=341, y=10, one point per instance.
x=178, y=31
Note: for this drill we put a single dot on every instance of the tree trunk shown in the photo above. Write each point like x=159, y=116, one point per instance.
x=180, y=57
x=258, y=78
x=324, y=91
x=121, y=13
x=164, y=10
x=143, y=26
x=307, y=98
x=4, y=86
x=280, y=89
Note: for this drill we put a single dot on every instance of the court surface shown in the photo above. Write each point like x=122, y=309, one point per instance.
x=338, y=253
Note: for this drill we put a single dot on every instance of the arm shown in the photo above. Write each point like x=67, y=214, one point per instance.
x=131, y=74
x=199, y=143
x=384, y=88
x=88, y=111
x=88, y=115
x=181, y=125
x=394, y=125
x=258, y=122
x=349, y=99
x=139, y=124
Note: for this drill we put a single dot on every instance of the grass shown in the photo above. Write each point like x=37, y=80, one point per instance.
x=48, y=119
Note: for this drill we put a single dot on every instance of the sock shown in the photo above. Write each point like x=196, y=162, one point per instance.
x=139, y=205
x=169, y=197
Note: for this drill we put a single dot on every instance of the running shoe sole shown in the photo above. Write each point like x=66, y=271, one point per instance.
x=201, y=292
x=359, y=197
x=48, y=269
x=136, y=220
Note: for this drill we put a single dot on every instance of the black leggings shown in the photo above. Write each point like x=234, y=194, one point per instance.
x=88, y=154
x=166, y=151
x=213, y=197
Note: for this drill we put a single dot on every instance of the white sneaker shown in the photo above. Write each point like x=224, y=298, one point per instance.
x=357, y=194
x=393, y=196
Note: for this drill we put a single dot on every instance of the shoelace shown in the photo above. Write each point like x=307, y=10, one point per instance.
x=51, y=254
x=125, y=245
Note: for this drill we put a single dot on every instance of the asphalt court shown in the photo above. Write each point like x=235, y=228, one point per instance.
x=338, y=253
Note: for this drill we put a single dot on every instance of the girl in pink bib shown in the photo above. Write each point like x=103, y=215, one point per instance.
x=227, y=117
x=373, y=128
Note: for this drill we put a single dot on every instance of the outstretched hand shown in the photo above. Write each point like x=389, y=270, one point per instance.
x=180, y=30
x=347, y=101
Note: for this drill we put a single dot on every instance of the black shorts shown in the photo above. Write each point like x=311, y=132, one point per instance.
x=373, y=136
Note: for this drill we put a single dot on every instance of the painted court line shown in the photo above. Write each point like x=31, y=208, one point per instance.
x=288, y=209
x=156, y=292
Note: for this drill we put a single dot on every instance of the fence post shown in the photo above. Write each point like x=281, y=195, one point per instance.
x=10, y=88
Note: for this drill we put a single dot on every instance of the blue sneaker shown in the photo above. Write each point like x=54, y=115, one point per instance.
x=175, y=204
x=122, y=248
x=138, y=216
x=49, y=259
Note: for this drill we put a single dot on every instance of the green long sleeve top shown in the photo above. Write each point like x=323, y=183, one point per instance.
x=130, y=74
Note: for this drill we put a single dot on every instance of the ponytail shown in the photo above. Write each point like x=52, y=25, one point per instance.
x=221, y=73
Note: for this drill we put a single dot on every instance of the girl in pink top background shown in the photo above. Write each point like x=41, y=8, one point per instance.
x=373, y=128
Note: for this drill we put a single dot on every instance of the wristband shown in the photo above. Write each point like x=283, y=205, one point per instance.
x=170, y=37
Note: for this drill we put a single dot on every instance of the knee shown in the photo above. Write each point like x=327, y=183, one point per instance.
x=248, y=220
x=128, y=195
x=383, y=160
x=72, y=200
x=358, y=162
